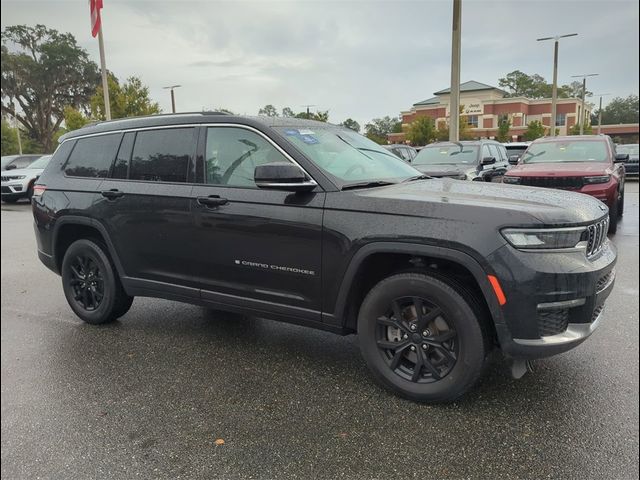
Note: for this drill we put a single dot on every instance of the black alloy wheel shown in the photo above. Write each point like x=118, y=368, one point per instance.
x=416, y=340
x=87, y=282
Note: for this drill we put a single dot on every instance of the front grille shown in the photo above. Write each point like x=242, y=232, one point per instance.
x=596, y=312
x=605, y=281
x=552, y=322
x=5, y=179
x=597, y=236
x=570, y=183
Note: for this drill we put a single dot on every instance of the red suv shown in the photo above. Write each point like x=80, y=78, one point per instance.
x=586, y=164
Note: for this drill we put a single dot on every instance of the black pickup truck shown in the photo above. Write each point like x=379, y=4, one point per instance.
x=311, y=223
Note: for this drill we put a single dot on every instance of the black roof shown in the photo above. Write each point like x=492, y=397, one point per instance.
x=192, y=118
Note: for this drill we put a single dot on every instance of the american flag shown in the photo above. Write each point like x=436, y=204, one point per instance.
x=95, y=6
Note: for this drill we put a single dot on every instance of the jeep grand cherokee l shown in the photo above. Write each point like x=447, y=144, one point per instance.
x=311, y=223
x=587, y=164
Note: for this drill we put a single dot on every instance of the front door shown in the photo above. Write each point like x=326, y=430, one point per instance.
x=257, y=248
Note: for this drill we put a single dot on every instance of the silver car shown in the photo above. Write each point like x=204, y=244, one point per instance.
x=18, y=183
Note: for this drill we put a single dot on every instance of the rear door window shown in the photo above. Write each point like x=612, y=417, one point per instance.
x=121, y=165
x=92, y=156
x=162, y=155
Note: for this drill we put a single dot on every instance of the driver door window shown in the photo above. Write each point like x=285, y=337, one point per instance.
x=232, y=155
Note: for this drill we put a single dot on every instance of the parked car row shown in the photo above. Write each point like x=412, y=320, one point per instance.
x=630, y=165
x=20, y=174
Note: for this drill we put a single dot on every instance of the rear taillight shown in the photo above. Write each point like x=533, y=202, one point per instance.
x=38, y=190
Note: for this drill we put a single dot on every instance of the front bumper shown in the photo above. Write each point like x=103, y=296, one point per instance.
x=631, y=169
x=605, y=192
x=555, y=300
x=13, y=190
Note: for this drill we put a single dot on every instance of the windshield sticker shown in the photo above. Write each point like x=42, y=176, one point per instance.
x=291, y=132
x=306, y=131
x=309, y=139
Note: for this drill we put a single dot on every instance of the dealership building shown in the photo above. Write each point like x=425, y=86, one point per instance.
x=484, y=107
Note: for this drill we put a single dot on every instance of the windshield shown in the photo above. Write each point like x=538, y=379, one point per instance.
x=447, y=155
x=630, y=149
x=348, y=156
x=566, y=151
x=41, y=162
x=7, y=159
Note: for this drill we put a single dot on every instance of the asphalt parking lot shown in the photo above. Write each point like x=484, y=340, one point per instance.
x=148, y=396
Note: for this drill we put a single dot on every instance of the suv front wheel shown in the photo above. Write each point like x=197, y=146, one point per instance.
x=421, y=338
x=91, y=284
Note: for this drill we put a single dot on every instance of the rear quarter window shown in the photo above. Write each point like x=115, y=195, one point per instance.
x=92, y=157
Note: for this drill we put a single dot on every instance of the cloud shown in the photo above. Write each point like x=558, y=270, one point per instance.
x=359, y=59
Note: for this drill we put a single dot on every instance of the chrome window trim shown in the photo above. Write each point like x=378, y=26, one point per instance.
x=192, y=125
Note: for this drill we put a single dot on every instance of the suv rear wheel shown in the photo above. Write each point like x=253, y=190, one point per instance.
x=421, y=338
x=91, y=284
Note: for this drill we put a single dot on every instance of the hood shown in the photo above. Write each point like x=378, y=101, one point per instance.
x=489, y=203
x=27, y=172
x=445, y=170
x=567, y=169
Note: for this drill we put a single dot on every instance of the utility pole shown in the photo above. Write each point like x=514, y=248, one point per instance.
x=454, y=96
x=600, y=112
x=554, y=89
x=583, y=114
x=15, y=124
x=173, y=97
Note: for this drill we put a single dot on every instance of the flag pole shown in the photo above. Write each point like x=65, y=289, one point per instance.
x=105, y=84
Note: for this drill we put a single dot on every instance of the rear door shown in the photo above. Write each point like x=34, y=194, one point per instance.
x=500, y=167
x=254, y=247
x=144, y=206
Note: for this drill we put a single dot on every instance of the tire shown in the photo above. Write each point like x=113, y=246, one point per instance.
x=621, y=205
x=448, y=367
x=613, y=217
x=91, y=284
x=30, y=192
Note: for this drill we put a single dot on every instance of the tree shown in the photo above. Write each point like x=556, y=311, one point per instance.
x=442, y=134
x=378, y=129
x=9, y=139
x=504, y=124
x=268, y=110
x=619, y=110
x=535, y=129
x=47, y=71
x=318, y=116
x=74, y=119
x=287, y=112
x=352, y=124
x=131, y=99
x=573, y=90
x=520, y=84
x=575, y=130
x=421, y=131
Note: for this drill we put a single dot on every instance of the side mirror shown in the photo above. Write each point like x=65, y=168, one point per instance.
x=282, y=176
x=514, y=159
x=11, y=167
x=488, y=160
x=621, y=157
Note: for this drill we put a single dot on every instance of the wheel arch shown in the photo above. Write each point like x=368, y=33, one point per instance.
x=419, y=257
x=73, y=227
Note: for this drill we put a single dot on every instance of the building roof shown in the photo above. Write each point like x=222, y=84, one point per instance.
x=470, y=86
x=429, y=101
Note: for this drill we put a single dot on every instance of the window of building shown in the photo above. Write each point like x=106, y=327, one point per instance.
x=162, y=155
x=472, y=121
x=232, y=155
x=561, y=119
x=92, y=156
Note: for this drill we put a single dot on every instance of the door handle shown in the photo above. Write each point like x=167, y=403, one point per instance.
x=212, y=201
x=112, y=194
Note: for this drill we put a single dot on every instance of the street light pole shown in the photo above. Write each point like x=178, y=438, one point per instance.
x=454, y=102
x=600, y=112
x=583, y=115
x=173, y=98
x=554, y=89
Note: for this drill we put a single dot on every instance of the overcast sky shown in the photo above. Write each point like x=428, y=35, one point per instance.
x=359, y=59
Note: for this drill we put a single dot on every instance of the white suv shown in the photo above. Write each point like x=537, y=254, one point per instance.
x=18, y=183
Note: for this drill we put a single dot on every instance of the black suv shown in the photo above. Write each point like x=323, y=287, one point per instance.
x=314, y=224
x=478, y=160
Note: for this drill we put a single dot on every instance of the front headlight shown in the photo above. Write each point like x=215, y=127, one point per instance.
x=511, y=180
x=16, y=177
x=462, y=176
x=598, y=179
x=547, y=238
